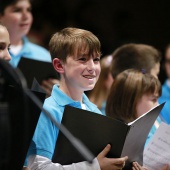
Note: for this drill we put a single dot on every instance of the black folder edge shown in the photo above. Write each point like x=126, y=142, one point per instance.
x=36, y=69
x=96, y=131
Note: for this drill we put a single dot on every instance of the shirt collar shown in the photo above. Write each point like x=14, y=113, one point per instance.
x=66, y=100
x=57, y=95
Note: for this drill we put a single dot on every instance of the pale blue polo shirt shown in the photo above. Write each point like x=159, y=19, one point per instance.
x=30, y=51
x=165, y=97
x=46, y=133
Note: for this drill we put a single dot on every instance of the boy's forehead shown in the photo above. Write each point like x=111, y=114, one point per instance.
x=86, y=53
x=80, y=50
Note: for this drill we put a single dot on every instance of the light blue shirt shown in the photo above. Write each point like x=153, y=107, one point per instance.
x=165, y=97
x=30, y=51
x=46, y=133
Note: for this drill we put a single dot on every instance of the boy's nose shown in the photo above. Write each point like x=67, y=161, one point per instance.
x=25, y=14
x=90, y=64
x=7, y=56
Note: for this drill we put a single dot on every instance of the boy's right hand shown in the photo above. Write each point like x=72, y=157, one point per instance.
x=110, y=163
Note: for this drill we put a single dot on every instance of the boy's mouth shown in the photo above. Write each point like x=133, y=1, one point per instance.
x=89, y=76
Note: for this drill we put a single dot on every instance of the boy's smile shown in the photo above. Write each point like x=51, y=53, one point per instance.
x=82, y=72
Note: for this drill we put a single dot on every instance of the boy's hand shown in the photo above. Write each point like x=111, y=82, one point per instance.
x=136, y=166
x=110, y=163
x=47, y=85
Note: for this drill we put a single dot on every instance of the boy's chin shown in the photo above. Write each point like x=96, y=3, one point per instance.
x=89, y=88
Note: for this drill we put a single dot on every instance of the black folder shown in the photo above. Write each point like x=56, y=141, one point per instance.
x=23, y=116
x=36, y=69
x=18, y=117
x=96, y=131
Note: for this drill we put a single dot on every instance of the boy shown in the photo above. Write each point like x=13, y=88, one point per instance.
x=76, y=56
x=4, y=43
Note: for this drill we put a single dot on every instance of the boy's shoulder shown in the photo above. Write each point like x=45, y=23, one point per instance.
x=36, y=51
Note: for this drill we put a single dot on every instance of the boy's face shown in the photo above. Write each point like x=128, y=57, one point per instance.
x=18, y=18
x=82, y=71
x=4, y=44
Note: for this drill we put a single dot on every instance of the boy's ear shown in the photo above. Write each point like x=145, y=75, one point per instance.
x=58, y=65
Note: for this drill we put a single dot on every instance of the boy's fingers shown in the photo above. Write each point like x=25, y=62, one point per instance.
x=105, y=151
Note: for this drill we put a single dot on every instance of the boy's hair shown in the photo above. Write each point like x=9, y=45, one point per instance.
x=6, y=3
x=69, y=41
x=137, y=56
x=127, y=89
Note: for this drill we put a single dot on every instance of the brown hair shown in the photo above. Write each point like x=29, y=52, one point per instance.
x=69, y=40
x=136, y=56
x=128, y=87
x=5, y=3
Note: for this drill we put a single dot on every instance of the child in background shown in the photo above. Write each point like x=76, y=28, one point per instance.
x=76, y=56
x=4, y=43
x=132, y=94
x=17, y=17
x=142, y=57
x=4, y=53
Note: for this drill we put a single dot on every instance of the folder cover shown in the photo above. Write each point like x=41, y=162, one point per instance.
x=96, y=131
x=36, y=69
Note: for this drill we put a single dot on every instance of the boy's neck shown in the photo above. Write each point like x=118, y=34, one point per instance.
x=71, y=92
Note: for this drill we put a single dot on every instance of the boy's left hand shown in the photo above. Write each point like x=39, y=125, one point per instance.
x=136, y=166
x=48, y=84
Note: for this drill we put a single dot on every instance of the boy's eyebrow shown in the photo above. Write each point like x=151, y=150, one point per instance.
x=2, y=43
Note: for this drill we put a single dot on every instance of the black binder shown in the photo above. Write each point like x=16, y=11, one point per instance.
x=96, y=131
x=36, y=69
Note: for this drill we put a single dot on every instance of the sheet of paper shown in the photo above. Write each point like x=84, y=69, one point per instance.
x=130, y=123
x=157, y=152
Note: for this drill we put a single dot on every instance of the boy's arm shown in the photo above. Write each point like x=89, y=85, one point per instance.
x=36, y=162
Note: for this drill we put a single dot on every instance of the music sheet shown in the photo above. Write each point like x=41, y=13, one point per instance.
x=157, y=153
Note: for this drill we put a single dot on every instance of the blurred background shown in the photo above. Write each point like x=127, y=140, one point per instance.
x=114, y=22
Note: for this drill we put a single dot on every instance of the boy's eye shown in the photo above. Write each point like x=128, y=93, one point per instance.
x=2, y=47
x=82, y=59
x=97, y=59
x=155, y=99
x=29, y=9
x=17, y=9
